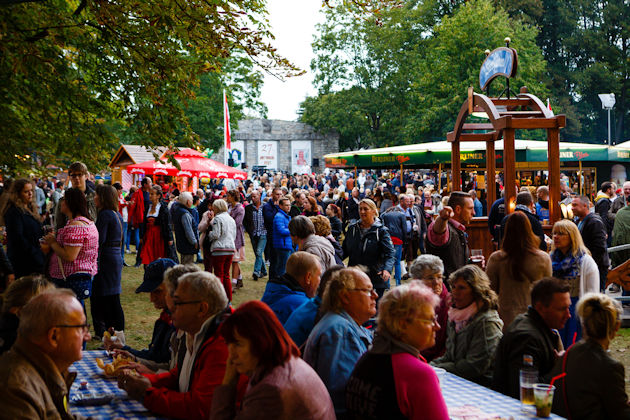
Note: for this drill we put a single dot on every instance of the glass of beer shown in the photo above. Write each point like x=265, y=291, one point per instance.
x=543, y=398
x=528, y=379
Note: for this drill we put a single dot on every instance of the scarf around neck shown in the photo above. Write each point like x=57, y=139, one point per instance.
x=462, y=317
x=566, y=266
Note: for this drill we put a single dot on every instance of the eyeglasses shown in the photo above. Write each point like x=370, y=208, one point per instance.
x=433, y=321
x=433, y=280
x=85, y=327
x=368, y=292
x=187, y=302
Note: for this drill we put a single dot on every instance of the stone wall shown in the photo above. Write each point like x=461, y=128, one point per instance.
x=284, y=132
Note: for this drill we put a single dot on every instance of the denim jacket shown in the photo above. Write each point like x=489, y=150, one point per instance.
x=333, y=349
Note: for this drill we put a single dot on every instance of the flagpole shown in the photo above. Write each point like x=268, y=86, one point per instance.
x=227, y=146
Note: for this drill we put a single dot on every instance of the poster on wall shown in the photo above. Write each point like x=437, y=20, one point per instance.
x=238, y=153
x=268, y=154
x=301, y=157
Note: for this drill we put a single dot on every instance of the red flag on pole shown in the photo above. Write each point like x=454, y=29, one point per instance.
x=549, y=105
x=227, y=135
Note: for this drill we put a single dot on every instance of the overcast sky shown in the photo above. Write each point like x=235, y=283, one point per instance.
x=293, y=24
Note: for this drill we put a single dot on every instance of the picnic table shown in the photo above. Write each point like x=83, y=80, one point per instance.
x=464, y=399
x=120, y=404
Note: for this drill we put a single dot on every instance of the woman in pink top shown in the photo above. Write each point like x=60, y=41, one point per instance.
x=392, y=380
x=75, y=247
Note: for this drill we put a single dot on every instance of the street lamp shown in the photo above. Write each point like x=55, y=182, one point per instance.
x=608, y=102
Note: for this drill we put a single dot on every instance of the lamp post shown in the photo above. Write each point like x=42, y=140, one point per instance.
x=608, y=102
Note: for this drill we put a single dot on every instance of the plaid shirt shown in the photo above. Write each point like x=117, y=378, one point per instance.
x=85, y=236
x=259, y=222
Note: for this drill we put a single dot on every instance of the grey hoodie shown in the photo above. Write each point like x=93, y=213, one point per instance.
x=322, y=248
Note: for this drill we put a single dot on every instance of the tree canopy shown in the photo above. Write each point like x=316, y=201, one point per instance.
x=404, y=80
x=413, y=64
x=74, y=75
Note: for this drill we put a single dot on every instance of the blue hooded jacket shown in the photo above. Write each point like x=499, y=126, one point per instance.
x=283, y=295
x=281, y=234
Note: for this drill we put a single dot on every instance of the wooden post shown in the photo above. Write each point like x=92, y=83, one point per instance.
x=455, y=166
x=491, y=169
x=553, y=154
x=580, y=183
x=509, y=169
x=401, y=179
x=439, y=178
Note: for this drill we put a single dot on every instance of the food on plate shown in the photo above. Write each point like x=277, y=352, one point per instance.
x=114, y=368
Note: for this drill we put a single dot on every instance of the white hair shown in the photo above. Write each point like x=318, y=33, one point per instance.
x=206, y=287
x=184, y=197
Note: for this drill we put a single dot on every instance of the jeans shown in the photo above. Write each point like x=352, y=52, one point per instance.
x=397, y=269
x=135, y=232
x=124, y=235
x=282, y=256
x=258, y=244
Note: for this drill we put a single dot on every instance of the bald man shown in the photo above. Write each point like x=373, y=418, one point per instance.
x=34, y=374
x=299, y=283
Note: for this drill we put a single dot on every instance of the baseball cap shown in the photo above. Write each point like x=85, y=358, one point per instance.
x=154, y=274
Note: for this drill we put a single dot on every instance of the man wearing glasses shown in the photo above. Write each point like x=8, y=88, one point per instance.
x=78, y=174
x=200, y=305
x=34, y=375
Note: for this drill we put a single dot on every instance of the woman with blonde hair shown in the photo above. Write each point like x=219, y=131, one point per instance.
x=474, y=326
x=368, y=243
x=594, y=383
x=24, y=229
x=571, y=261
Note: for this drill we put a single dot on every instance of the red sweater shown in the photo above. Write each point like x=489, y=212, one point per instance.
x=208, y=371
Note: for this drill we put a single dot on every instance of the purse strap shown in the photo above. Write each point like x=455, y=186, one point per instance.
x=122, y=245
x=61, y=267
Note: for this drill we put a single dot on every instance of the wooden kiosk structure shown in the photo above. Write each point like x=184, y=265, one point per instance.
x=505, y=116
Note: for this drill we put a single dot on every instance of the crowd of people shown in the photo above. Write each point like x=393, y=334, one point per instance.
x=370, y=288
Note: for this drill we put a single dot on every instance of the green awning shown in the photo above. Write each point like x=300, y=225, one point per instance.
x=472, y=153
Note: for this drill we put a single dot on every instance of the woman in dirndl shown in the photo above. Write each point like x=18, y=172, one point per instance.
x=157, y=240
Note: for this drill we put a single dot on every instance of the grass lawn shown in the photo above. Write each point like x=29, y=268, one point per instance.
x=140, y=313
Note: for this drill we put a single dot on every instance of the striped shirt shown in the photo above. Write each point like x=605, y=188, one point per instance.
x=85, y=236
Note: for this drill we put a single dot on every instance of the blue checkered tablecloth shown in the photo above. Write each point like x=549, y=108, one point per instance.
x=98, y=383
x=463, y=396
